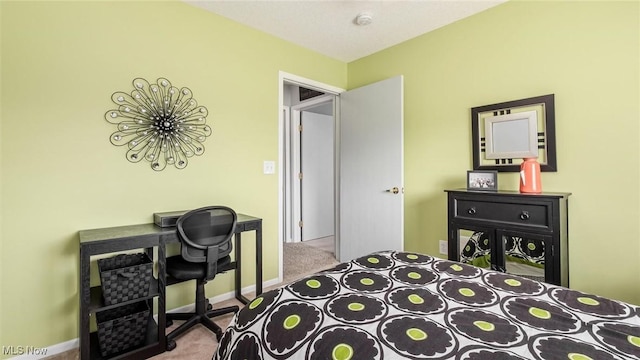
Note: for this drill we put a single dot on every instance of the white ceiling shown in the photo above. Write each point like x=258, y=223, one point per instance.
x=328, y=26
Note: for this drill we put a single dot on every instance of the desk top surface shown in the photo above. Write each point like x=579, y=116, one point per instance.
x=139, y=230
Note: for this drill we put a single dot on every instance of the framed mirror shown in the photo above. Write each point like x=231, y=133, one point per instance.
x=505, y=133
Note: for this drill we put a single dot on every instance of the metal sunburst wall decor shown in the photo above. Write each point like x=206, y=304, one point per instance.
x=159, y=123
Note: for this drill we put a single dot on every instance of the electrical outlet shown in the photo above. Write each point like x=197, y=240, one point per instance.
x=444, y=247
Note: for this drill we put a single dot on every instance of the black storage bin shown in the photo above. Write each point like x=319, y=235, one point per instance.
x=122, y=328
x=125, y=277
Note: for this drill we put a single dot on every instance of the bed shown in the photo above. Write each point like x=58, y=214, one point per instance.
x=402, y=305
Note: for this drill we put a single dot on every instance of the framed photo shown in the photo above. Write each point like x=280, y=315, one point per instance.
x=482, y=180
x=505, y=133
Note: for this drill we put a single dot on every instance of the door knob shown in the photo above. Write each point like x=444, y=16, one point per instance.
x=394, y=190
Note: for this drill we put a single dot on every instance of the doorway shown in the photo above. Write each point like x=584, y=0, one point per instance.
x=308, y=161
x=312, y=170
x=368, y=166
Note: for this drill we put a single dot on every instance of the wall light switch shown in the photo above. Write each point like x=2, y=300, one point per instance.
x=269, y=167
x=444, y=247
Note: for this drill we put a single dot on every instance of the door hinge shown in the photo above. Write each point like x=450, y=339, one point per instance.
x=300, y=176
x=300, y=128
x=300, y=223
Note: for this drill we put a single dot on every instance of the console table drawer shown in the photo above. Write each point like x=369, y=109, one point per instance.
x=537, y=215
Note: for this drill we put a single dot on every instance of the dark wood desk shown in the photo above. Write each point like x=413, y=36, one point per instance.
x=147, y=237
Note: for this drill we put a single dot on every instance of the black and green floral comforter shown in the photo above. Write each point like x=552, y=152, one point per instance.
x=401, y=305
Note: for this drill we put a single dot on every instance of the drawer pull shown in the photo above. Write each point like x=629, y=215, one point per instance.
x=471, y=210
x=524, y=215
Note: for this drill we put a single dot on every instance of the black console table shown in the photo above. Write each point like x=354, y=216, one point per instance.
x=147, y=237
x=533, y=226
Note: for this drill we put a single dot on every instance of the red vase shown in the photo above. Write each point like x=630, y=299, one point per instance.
x=530, y=176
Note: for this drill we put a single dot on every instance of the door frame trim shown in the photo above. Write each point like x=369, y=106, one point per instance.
x=283, y=133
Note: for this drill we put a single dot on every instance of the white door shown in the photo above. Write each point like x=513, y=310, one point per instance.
x=371, y=169
x=316, y=167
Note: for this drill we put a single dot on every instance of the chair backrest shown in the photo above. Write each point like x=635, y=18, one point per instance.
x=205, y=229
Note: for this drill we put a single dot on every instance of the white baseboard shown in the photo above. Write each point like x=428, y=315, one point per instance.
x=34, y=353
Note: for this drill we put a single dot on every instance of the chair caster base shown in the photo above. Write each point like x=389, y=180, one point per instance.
x=171, y=344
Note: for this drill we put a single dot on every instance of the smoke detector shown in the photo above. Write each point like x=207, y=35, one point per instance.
x=363, y=19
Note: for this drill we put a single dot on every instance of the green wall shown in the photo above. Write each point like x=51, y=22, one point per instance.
x=61, y=61
x=587, y=54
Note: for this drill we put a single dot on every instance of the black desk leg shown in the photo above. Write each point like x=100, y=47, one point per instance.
x=238, y=273
x=85, y=298
x=259, y=260
x=162, y=293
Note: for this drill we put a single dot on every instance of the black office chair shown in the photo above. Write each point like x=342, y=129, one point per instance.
x=205, y=240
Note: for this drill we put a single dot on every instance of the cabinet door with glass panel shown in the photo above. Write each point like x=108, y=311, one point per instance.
x=523, y=254
x=516, y=253
x=476, y=247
